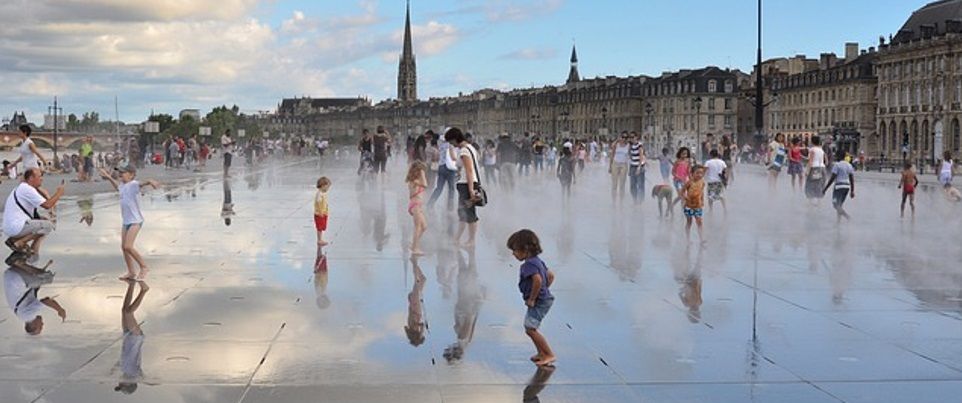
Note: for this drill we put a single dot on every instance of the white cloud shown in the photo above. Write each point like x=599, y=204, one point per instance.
x=183, y=53
x=520, y=10
x=530, y=54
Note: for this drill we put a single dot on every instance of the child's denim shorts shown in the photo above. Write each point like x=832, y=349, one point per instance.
x=536, y=313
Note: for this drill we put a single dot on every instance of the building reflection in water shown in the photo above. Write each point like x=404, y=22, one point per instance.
x=130, y=353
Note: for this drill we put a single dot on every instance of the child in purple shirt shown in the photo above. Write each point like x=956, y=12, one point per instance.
x=535, y=279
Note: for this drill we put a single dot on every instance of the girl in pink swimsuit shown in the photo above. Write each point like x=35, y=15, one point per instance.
x=417, y=182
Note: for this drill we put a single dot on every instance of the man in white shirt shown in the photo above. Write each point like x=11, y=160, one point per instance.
x=227, y=146
x=21, y=221
x=20, y=286
x=715, y=172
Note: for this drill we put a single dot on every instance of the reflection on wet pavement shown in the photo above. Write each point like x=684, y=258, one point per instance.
x=781, y=305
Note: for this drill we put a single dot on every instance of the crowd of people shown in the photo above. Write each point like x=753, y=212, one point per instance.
x=464, y=165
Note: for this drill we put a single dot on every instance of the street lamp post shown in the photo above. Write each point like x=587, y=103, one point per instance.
x=56, y=110
x=648, y=110
x=564, y=120
x=699, y=154
x=604, y=119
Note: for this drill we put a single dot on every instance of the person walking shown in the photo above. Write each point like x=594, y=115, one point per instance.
x=227, y=147
x=618, y=161
x=447, y=173
x=468, y=186
x=636, y=168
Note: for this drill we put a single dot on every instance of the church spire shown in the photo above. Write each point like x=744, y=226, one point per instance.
x=573, y=75
x=407, y=70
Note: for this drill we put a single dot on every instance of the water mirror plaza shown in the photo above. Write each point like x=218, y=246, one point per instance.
x=777, y=228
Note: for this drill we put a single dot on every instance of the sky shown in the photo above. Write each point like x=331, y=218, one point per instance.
x=168, y=55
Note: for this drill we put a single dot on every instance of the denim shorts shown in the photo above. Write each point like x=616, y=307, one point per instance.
x=536, y=313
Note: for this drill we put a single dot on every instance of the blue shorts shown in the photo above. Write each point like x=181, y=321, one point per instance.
x=536, y=313
x=127, y=226
x=693, y=212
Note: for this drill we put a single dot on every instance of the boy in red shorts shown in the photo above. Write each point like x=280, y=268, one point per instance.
x=320, y=209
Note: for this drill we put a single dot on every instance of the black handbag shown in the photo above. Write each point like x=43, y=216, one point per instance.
x=480, y=194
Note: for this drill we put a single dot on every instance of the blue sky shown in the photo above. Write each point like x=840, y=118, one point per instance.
x=166, y=55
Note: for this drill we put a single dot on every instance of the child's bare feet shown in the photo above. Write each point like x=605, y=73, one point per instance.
x=417, y=252
x=127, y=277
x=535, y=358
x=322, y=243
x=143, y=273
x=545, y=361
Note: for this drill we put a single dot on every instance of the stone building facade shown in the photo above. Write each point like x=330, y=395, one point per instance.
x=835, y=99
x=920, y=84
x=681, y=107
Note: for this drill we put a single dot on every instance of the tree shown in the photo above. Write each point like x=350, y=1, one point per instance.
x=221, y=118
x=165, y=120
x=73, y=124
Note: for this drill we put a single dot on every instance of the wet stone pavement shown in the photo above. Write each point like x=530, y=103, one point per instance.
x=781, y=305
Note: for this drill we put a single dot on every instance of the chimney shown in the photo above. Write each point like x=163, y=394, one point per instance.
x=851, y=51
x=826, y=61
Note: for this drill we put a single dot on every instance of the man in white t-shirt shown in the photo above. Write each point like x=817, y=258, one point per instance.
x=21, y=221
x=21, y=288
x=227, y=147
x=715, y=176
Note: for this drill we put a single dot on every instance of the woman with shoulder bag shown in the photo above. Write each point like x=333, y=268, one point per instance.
x=470, y=194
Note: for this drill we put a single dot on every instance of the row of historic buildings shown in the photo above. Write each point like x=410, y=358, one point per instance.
x=901, y=97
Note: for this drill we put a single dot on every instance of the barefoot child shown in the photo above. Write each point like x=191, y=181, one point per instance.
x=131, y=349
x=908, y=184
x=133, y=219
x=417, y=182
x=680, y=171
x=320, y=209
x=843, y=175
x=693, y=192
x=534, y=283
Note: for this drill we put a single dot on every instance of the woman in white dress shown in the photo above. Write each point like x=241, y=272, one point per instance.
x=28, y=151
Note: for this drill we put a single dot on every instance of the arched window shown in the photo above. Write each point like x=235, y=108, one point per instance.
x=712, y=86
x=925, y=151
x=914, y=135
x=893, y=138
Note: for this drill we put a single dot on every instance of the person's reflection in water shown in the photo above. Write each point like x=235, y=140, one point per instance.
x=690, y=292
x=467, y=307
x=415, y=326
x=537, y=384
x=227, y=210
x=840, y=271
x=320, y=279
x=21, y=283
x=253, y=180
x=380, y=224
x=130, y=353
x=86, y=206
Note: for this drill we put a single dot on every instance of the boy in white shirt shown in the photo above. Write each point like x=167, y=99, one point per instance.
x=715, y=175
